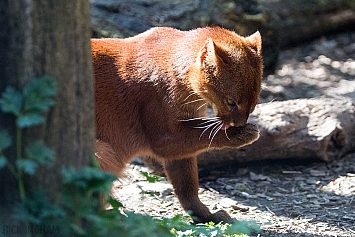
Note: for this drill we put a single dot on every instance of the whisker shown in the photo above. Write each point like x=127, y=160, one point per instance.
x=215, y=133
x=225, y=132
x=208, y=125
x=192, y=101
x=273, y=100
x=213, y=124
x=212, y=130
x=193, y=119
x=193, y=93
x=200, y=118
x=200, y=107
x=207, y=122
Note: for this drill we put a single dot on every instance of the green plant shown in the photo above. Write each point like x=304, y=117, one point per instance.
x=28, y=107
x=151, y=178
x=77, y=211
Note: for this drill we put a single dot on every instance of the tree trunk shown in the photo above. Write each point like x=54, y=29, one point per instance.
x=319, y=128
x=47, y=37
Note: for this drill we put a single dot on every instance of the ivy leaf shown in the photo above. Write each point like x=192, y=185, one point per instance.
x=28, y=166
x=5, y=140
x=11, y=101
x=3, y=162
x=28, y=120
x=38, y=94
x=39, y=152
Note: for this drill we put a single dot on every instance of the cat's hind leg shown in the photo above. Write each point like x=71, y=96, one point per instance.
x=108, y=159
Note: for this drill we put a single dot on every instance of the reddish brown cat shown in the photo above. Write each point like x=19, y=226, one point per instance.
x=152, y=92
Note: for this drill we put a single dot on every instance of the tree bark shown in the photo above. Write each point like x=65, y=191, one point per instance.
x=319, y=128
x=52, y=38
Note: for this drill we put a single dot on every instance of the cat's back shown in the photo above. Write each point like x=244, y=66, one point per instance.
x=161, y=49
x=159, y=42
x=157, y=37
x=164, y=40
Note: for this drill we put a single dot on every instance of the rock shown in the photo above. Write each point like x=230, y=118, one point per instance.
x=227, y=202
x=258, y=177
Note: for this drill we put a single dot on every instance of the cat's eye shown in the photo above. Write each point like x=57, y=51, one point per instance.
x=231, y=102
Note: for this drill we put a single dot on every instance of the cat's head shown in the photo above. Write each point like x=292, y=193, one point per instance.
x=227, y=74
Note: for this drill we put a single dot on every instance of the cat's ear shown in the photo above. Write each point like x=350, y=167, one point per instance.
x=207, y=55
x=255, y=41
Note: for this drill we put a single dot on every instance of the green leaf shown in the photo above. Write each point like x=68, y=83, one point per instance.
x=114, y=203
x=39, y=152
x=38, y=94
x=151, y=178
x=37, y=209
x=244, y=227
x=28, y=166
x=11, y=101
x=5, y=140
x=3, y=162
x=88, y=178
x=28, y=120
x=78, y=230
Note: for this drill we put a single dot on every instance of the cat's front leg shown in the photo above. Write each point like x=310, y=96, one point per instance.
x=233, y=137
x=184, y=177
x=189, y=140
x=242, y=136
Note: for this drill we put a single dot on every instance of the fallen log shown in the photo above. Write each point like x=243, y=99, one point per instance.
x=318, y=128
x=304, y=20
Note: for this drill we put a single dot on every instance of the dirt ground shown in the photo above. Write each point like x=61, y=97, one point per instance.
x=304, y=198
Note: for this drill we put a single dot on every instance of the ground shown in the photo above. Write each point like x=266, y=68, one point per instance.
x=307, y=198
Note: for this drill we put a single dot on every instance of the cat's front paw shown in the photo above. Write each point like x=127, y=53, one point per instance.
x=245, y=135
x=221, y=216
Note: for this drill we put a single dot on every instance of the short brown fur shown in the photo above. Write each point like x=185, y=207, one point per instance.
x=151, y=94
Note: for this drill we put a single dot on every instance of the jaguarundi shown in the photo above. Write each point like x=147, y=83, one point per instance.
x=151, y=96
